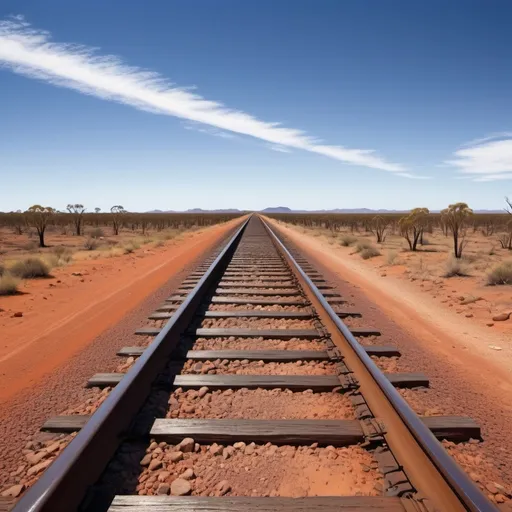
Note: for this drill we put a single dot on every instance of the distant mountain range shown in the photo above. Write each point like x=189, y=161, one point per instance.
x=285, y=209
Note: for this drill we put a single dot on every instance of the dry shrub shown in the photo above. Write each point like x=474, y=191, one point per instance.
x=114, y=252
x=64, y=255
x=347, y=240
x=370, y=252
x=8, y=284
x=2, y=270
x=96, y=233
x=30, y=268
x=500, y=274
x=160, y=243
x=361, y=246
x=456, y=267
x=91, y=244
x=131, y=246
x=391, y=257
x=30, y=247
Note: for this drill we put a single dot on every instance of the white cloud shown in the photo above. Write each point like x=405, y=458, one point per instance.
x=279, y=149
x=210, y=131
x=486, y=159
x=31, y=53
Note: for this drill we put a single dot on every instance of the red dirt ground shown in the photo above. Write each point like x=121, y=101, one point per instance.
x=63, y=315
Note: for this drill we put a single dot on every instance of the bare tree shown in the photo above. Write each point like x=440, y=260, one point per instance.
x=378, y=227
x=117, y=212
x=38, y=217
x=456, y=218
x=77, y=212
x=508, y=208
x=413, y=225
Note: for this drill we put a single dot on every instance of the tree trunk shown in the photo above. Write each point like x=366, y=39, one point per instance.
x=41, y=237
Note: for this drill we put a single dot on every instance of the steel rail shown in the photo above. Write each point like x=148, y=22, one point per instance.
x=64, y=485
x=432, y=470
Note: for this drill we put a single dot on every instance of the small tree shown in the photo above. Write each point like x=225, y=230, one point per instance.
x=38, y=217
x=117, y=212
x=378, y=227
x=77, y=212
x=505, y=240
x=456, y=218
x=97, y=210
x=413, y=225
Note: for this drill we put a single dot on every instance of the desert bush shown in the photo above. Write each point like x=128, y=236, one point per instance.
x=131, y=246
x=29, y=246
x=160, y=243
x=91, y=244
x=370, y=252
x=347, y=240
x=455, y=267
x=391, y=257
x=500, y=274
x=30, y=268
x=97, y=233
x=8, y=284
x=364, y=244
x=64, y=254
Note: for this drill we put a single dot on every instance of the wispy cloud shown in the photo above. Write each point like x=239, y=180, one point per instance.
x=279, y=149
x=210, y=131
x=30, y=52
x=485, y=159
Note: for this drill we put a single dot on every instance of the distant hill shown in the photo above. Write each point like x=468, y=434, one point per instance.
x=277, y=209
x=285, y=209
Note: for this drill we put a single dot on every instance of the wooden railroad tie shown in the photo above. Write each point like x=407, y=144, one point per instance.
x=124, y=503
x=266, y=355
x=451, y=428
x=317, y=383
x=307, y=334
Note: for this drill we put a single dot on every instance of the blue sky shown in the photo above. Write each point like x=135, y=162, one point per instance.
x=391, y=104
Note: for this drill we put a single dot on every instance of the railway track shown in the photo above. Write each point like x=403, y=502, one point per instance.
x=245, y=381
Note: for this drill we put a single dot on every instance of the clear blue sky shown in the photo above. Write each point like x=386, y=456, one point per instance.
x=426, y=85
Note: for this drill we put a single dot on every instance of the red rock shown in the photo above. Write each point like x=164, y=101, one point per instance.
x=14, y=491
x=175, y=456
x=187, y=445
x=18, y=314
x=163, y=489
x=155, y=464
x=502, y=317
x=180, y=487
x=34, y=470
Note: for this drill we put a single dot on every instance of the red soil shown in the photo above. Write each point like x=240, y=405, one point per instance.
x=63, y=315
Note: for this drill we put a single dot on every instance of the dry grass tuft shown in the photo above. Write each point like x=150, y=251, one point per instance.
x=91, y=244
x=456, y=267
x=370, y=252
x=30, y=268
x=64, y=255
x=8, y=284
x=130, y=247
x=500, y=274
x=364, y=244
x=391, y=257
x=348, y=240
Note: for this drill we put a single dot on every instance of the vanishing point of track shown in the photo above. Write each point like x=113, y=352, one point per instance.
x=254, y=282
